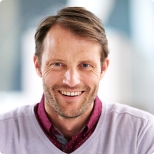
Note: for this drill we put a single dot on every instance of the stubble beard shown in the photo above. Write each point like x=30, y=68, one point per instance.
x=55, y=105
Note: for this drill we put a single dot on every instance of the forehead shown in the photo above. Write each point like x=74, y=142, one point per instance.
x=62, y=41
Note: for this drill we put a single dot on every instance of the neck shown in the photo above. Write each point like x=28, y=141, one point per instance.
x=68, y=126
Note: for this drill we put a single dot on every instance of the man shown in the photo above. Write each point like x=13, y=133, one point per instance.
x=71, y=57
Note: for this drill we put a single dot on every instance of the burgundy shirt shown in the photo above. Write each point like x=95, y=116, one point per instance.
x=57, y=138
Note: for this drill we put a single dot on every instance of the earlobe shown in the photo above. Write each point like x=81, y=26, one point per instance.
x=37, y=66
x=104, y=67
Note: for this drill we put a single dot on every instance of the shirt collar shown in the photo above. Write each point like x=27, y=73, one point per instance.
x=43, y=117
x=97, y=109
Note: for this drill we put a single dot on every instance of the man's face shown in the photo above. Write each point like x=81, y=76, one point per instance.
x=71, y=71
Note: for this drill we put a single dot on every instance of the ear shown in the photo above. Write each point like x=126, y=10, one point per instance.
x=104, y=67
x=37, y=66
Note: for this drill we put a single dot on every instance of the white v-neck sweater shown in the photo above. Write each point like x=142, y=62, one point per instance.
x=121, y=130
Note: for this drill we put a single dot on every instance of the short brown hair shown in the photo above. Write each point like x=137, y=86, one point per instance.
x=79, y=21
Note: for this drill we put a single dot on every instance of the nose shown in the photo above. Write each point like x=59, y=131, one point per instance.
x=71, y=78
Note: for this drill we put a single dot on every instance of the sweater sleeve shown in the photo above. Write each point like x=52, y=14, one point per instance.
x=146, y=138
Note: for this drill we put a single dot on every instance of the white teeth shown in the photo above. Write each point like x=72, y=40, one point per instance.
x=68, y=93
x=71, y=93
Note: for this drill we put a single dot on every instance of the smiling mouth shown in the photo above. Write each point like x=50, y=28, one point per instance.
x=71, y=94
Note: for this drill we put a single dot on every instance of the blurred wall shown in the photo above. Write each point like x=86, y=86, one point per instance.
x=9, y=39
x=129, y=27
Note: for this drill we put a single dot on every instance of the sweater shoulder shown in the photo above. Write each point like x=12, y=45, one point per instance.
x=19, y=112
x=125, y=110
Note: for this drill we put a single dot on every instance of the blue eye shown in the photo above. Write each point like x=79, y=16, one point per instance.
x=85, y=65
x=57, y=64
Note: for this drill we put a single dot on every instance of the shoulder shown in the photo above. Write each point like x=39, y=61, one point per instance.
x=21, y=112
x=19, y=124
x=125, y=110
x=129, y=125
x=128, y=117
x=15, y=121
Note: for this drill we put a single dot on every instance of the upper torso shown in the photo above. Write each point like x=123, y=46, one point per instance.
x=120, y=130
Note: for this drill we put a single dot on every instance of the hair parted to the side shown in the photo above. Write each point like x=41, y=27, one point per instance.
x=79, y=21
